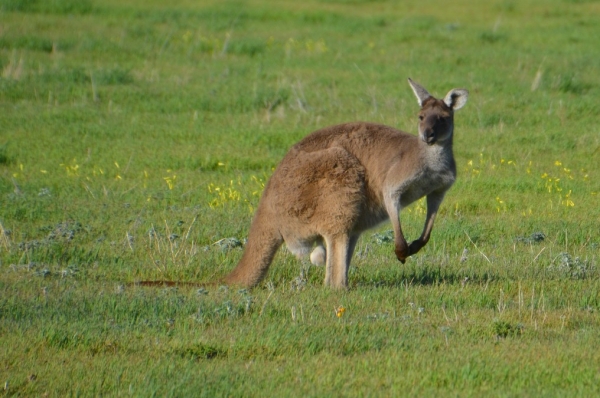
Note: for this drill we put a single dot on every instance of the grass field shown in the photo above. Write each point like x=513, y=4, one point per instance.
x=136, y=138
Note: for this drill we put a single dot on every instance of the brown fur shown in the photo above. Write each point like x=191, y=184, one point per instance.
x=342, y=180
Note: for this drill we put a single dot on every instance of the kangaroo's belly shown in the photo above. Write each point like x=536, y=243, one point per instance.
x=371, y=217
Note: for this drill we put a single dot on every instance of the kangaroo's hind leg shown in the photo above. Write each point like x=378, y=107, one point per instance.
x=321, y=196
x=339, y=254
x=319, y=254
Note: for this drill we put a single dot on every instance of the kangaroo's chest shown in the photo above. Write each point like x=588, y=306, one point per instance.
x=427, y=182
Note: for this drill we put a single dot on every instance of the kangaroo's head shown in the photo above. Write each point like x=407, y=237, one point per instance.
x=436, y=117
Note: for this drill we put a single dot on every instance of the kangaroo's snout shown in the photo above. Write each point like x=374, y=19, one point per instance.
x=435, y=125
x=429, y=136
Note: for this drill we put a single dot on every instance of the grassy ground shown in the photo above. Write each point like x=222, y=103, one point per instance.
x=135, y=136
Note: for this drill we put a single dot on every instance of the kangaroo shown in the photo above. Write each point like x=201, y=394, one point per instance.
x=342, y=180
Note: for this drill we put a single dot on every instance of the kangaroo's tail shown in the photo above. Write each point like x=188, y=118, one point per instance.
x=264, y=240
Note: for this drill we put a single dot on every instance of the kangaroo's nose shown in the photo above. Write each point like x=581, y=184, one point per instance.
x=429, y=136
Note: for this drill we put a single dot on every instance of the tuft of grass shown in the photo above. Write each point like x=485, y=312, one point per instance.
x=5, y=159
x=576, y=268
x=17, y=5
x=113, y=76
x=492, y=37
x=503, y=329
x=32, y=43
x=569, y=83
x=199, y=351
x=61, y=7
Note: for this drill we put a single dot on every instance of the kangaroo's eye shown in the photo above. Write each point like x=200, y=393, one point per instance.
x=421, y=117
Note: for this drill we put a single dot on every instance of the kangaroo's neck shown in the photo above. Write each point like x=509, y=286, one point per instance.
x=439, y=152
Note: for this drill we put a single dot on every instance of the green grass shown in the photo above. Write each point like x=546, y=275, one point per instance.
x=136, y=135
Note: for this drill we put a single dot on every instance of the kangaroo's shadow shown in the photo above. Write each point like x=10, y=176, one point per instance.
x=423, y=277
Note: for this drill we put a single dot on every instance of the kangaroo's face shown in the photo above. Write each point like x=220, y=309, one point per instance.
x=436, y=121
x=436, y=118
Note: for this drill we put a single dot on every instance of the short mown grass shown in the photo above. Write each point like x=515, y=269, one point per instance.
x=135, y=142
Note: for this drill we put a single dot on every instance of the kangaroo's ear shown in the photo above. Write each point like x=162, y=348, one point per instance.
x=456, y=98
x=419, y=91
